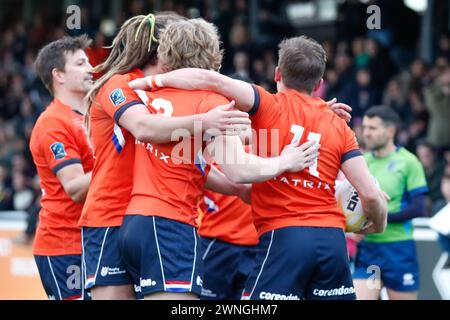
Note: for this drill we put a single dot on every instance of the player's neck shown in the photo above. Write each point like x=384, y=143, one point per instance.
x=150, y=70
x=386, y=150
x=74, y=100
x=281, y=87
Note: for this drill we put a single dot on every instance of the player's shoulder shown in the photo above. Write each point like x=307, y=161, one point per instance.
x=406, y=154
x=213, y=96
x=117, y=81
x=187, y=97
x=409, y=157
x=49, y=121
x=121, y=79
x=53, y=117
x=316, y=105
x=326, y=115
x=115, y=86
x=203, y=97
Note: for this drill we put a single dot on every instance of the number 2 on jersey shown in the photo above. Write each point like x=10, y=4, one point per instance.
x=312, y=136
x=162, y=106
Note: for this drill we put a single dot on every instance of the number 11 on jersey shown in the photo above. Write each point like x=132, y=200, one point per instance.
x=312, y=136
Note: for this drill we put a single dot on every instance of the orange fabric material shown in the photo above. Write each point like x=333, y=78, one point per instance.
x=299, y=199
x=58, y=139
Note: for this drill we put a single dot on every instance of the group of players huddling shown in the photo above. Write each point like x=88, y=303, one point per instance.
x=155, y=187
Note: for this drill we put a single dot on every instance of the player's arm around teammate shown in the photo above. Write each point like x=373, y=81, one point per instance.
x=241, y=92
x=157, y=128
x=117, y=117
x=246, y=168
x=243, y=167
x=218, y=182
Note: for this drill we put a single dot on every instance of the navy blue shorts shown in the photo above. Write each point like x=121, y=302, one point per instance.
x=397, y=262
x=61, y=276
x=102, y=259
x=160, y=254
x=225, y=268
x=295, y=263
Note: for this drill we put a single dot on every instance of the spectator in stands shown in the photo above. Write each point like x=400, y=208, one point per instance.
x=416, y=122
x=361, y=94
x=361, y=57
x=239, y=38
x=446, y=157
x=241, y=67
x=380, y=65
x=344, y=68
x=26, y=238
x=434, y=170
x=329, y=48
x=395, y=98
x=444, y=46
x=444, y=240
x=437, y=98
x=6, y=191
x=23, y=195
x=418, y=75
x=331, y=84
x=258, y=70
x=22, y=165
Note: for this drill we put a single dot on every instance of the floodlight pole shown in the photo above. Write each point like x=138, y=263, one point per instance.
x=253, y=17
x=115, y=9
x=426, y=37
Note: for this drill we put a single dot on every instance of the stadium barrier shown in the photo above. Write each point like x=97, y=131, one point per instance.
x=19, y=278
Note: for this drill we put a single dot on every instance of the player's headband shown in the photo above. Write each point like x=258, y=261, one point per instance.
x=151, y=21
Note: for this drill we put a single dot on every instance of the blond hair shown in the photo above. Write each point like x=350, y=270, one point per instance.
x=190, y=44
x=135, y=46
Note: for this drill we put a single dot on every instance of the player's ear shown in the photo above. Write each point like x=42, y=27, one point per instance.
x=391, y=130
x=162, y=67
x=58, y=75
x=277, y=77
x=318, y=85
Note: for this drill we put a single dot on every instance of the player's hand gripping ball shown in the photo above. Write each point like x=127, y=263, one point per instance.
x=348, y=200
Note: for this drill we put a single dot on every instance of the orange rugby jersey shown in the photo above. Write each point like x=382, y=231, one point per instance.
x=58, y=140
x=304, y=198
x=112, y=177
x=169, y=178
x=228, y=219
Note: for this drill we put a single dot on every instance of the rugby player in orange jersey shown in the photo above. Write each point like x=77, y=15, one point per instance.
x=64, y=162
x=227, y=246
x=116, y=117
x=227, y=242
x=158, y=238
x=302, y=251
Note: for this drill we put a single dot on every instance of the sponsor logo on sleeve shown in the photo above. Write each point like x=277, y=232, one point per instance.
x=117, y=97
x=58, y=150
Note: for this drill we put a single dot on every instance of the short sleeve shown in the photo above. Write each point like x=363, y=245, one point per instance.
x=415, y=181
x=116, y=97
x=350, y=144
x=58, y=146
x=265, y=110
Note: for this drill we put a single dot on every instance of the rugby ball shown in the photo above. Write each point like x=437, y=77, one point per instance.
x=348, y=200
